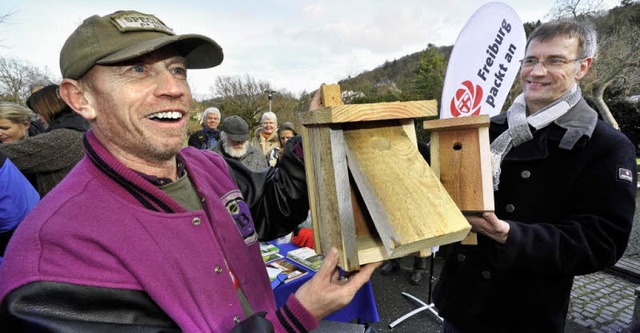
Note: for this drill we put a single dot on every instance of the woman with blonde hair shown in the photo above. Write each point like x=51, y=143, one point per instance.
x=15, y=121
x=45, y=159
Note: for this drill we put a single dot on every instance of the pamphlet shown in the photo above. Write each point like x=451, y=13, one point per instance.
x=306, y=257
x=293, y=272
x=271, y=257
x=267, y=248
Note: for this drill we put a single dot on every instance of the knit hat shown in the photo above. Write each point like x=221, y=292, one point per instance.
x=126, y=35
x=236, y=128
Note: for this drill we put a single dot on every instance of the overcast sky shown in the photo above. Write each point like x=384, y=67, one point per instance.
x=294, y=45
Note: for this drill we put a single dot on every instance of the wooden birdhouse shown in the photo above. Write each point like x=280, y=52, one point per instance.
x=371, y=193
x=461, y=158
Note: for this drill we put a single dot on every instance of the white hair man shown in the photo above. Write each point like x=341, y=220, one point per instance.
x=234, y=144
x=209, y=135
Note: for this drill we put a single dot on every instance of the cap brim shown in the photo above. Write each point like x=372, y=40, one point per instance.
x=238, y=137
x=199, y=51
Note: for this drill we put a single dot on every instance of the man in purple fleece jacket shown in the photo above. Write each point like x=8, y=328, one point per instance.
x=144, y=235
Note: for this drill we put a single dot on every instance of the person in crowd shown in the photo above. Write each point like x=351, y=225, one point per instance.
x=208, y=136
x=15, y=123
x=144, y=234
x=564, y=191
x=234, y=144
x=17, y=198
x=45, y=159
x=266, y=136
x=285, y=132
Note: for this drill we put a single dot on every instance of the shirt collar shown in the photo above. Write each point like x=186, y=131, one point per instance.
x=159, y=181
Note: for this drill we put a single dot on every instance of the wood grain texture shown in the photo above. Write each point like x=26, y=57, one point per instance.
x=331, y=95
x=351, y=113
x=330, y=194
x=461, y=158
x=449, y=124
x=460, y=171
x=409, y=207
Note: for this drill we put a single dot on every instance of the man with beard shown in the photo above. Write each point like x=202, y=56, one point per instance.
x=234, y=144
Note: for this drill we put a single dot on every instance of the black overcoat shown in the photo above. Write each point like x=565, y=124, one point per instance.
x=570, y=213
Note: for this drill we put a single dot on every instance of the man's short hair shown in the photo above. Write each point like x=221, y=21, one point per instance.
x=126, y=35
x=269, y=115
x=583, y=31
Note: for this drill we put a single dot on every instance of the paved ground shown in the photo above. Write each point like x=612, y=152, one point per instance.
x=601, y=302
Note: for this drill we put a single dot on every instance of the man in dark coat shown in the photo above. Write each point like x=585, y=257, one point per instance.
x=565, y=188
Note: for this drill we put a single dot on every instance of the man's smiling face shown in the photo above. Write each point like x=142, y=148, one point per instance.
x=141, y=105
x=541, y=85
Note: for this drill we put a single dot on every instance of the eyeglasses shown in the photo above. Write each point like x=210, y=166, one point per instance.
x=529, y=63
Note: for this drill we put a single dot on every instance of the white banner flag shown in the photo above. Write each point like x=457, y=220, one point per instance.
x=484, y=62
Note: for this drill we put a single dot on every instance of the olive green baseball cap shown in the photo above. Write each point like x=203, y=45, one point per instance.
x=126, y=35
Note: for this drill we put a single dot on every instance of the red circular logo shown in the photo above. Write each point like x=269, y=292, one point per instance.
x=466, y=101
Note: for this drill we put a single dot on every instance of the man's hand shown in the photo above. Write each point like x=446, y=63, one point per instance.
x=316, y=100
x=325, y=293
x=489, y=225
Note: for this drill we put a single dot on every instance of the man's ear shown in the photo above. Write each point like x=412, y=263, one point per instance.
x=77, y=98
x=585, y=64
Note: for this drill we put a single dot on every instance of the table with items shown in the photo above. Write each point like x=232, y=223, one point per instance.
x=361, y=309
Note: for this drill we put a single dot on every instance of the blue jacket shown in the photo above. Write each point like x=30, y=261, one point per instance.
x=17, y=198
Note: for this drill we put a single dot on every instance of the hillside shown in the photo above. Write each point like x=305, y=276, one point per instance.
x=390, y=76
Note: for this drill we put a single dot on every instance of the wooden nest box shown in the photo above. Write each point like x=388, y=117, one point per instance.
x=372, y=194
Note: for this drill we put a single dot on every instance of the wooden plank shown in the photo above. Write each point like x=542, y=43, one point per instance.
x=450, y=124
x=351, y=113
x=462, y=176
x=331, y=95
x=409, y=207
x=463, y=163
x=409, y=127
x=349, y=255
x=329, y=193
x=363, y=225
x=332, y=214
x=486, y=169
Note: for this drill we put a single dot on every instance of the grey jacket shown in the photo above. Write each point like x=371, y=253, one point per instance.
x=253, y=159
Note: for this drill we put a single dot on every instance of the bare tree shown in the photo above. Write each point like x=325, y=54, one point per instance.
x=242, y=96
x=576, y=8
x=16, y=79
x=3, y=19
x=616, y=63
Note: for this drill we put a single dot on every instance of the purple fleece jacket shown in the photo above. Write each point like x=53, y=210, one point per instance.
x=106, y=226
